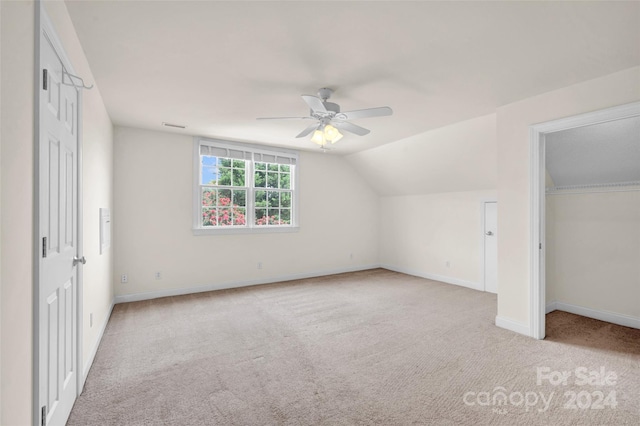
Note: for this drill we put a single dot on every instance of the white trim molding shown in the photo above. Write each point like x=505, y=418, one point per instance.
x=511, y=325
x=136, y=297
x=612, y=317
x=537, y=132
x=448, y=280
x=94, y=349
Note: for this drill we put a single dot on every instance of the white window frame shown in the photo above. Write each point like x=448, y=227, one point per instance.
x=256, y=155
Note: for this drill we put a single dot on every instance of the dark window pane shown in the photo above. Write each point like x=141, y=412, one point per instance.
x=274, y=199
x=260, y=180
x=261, y=217
x=272, y=180
x=240, y=198
x=238, y=164
x=285, y=199
x=273, y=167
x=284, y=168
x=261, y=166
x=224, y=197
x=285, y=181
x=261, y=198
x=209, y=217
x=274, y=216
x=224, y=178
x=225, y=162
x=238, y=177
x=239, y=216
x=285, y=216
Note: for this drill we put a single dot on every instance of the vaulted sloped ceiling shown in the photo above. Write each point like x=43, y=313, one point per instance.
x=216, y=66
x=603, y=153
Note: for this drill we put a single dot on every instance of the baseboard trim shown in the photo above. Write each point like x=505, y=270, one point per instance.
x=512, y=325
x=612, y=317
x=434, y=277
x=94, y=350
x=136, y=297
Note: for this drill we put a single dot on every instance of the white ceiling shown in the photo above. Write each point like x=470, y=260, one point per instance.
x=216, y=66
x=599, y=154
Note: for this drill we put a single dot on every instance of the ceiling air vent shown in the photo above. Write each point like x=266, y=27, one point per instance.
x=177, y=126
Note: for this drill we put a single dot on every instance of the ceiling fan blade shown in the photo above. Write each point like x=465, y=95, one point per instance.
x=315, y=103
x=350, y=127
x=284, y=118
x=365, y=113
x=308, y=130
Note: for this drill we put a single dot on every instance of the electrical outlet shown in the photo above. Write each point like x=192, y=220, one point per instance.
x=124, y=278
x=158, y=275
x=91, y=320
x=259, y=265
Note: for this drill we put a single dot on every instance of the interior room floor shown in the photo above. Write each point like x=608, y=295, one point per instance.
x=370, y=347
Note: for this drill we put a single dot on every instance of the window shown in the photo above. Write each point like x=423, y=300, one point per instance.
x=243, y=188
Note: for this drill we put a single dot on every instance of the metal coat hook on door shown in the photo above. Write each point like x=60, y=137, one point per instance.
x=71, y=77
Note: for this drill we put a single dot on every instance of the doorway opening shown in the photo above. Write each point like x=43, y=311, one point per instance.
x=538, y=247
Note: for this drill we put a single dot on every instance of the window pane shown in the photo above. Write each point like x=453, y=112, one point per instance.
x=272, y=180
x=225, y=176
x=260, y=180
x=225, y=162
x=284, y=168
x=209, y=175
x=261, y=166
x=285, y=216
x=209, y=217
x=238, y=164
x=238, y=177
x=261, y=216
x=239, y=216
x=274, y=199
x=224, y=197
x=285, y=199
x=274, y=217
x=224, y=216
x=208, y=197
x=273, y=167
x=261, y=198
x=240, y=198
x=285, y=181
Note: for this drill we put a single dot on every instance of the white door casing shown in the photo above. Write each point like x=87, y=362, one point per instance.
x=490, y=243
x=537, y=132
x=57, y=292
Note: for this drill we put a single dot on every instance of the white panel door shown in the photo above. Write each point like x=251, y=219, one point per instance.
x=490, y=247
x=59, y=240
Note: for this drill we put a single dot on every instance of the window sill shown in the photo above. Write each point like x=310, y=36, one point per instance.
x=260, y=230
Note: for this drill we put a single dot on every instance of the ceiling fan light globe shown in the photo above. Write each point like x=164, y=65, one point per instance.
x=318, y=137
x=331, y=133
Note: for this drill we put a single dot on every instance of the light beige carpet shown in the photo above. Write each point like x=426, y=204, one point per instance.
x=365, y=348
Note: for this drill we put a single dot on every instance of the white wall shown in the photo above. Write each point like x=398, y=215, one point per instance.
x=17, y=172
x=17, y=38
x=514, y=221
x=595, y=241
x=421, y=233
x=153, y=219
x=431, y=187
x=97, y=177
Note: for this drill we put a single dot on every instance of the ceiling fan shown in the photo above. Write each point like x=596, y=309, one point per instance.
x=329, y=120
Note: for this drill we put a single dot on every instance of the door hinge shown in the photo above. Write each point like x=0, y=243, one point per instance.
x=540, y=246
x=43, y=420
x=44, y=246
x=44, y=79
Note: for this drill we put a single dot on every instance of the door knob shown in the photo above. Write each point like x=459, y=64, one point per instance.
x=488, y=233
x=77, y=260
